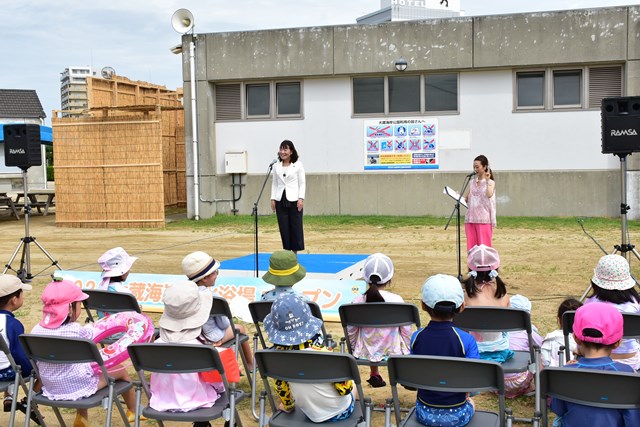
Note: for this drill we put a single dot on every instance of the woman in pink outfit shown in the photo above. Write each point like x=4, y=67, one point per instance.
x=481, y=201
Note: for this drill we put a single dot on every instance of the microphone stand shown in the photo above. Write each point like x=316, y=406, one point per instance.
x=456, y=210
x=255, y=214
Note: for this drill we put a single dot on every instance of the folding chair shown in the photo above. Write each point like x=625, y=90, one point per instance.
x=179, y=359
x=309, y=367
x=259, y=310
x=61, y=350
x=447, y=374
x=631, y=328
x=499, y=319
x=13, y=387
x=602, y=389
x=221, y=307
x=109, y=302
x=376, y=315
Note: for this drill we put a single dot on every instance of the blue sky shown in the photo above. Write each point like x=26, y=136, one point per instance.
x=41, y=38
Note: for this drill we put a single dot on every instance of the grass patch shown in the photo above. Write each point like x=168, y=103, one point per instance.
x=329, y=222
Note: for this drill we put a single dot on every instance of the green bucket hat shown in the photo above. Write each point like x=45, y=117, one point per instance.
x=284, y=269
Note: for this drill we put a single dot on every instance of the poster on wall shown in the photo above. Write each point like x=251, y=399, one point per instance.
x=402, y=143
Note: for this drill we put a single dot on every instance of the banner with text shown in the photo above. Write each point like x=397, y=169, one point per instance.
x=149, y=288
x=402, y=143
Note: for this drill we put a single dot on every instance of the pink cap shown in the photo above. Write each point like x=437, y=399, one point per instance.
x=598, y=322
x=56, y=298
x=483, y=258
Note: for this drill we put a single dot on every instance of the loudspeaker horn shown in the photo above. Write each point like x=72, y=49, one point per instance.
x=182, y=21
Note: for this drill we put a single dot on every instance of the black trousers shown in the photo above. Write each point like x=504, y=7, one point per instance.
x=290, y=224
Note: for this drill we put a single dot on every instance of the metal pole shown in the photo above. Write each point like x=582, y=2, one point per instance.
x=194, y=129
x=623, y=205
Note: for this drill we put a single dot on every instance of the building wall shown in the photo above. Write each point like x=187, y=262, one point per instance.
x=547, y=163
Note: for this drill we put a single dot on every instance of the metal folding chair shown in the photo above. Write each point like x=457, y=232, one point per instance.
x=631, y=328
x=259, y=310
x=603, y=389
x=309, y=367
x=500, y=319
x=221, y=307
x=109, y=302
x=376, y=315
x=60, y=350
x=13, y=387
x=178, y=359
x=447, y=374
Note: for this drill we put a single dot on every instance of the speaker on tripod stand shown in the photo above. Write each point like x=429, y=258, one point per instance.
x=22, y=149
x=621, y=137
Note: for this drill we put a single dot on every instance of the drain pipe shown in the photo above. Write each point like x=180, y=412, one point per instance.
x=194, y=130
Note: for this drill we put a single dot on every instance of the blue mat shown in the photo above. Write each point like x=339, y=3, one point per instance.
x=314, y=263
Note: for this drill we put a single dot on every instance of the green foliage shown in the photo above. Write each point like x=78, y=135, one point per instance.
x=50, y=175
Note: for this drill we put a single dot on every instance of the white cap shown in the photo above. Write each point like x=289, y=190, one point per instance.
x=378, y=265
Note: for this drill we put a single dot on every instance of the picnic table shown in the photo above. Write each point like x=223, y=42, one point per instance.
x=6, y=202
x=46, y=200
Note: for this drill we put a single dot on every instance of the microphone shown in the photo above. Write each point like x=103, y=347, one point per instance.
x=273, y=162
x=470, y=174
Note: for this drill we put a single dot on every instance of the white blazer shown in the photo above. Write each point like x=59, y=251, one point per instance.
x=294, y=181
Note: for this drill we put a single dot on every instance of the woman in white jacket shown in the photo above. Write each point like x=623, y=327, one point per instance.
x=287, y=196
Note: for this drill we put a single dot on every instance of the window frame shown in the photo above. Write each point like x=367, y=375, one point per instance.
x=549, y=83
x=423, y=111
x=273, y=102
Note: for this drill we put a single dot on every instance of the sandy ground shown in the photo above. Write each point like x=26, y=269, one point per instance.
x=545, y=265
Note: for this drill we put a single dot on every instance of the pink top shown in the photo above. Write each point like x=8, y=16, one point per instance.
x=375, y=344
x=67, y=382
x=482, y=209
x=182, y=392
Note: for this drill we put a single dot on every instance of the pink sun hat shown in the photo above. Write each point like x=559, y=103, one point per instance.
x=57, y=297
x=483, y=258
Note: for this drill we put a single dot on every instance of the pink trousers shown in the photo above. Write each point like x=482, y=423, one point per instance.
x=478, y=234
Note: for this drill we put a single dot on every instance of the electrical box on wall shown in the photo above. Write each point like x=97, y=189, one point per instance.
x=235, y=162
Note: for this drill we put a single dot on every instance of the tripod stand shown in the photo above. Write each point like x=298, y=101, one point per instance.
x=24, y=272
x=458, y=197
x=625, y=248
x=255, y=214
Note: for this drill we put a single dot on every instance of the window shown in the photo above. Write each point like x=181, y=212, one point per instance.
x=412, y=94
x=368, y=95
x=404, y=94
x=566, y=88
x=531, y=89
x=288, y=99
x=260, y=101
x=441, y=92
x=556, y=89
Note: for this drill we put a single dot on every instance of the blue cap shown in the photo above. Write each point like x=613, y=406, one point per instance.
x=290, y=321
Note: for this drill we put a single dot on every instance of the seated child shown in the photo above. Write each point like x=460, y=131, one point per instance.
x=202, y=269
x=284, y=272
x=613, y=284
x=597, y=329
x=442, y=299
x=376, y=344
x=550, y=348
x=291, y=326
x=186, y=310
x=485, y=288
x=62, y=307
x=116, y=264
x=522, y=382
x=11, y=299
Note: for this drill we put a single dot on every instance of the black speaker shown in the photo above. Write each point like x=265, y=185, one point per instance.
x=22, y=145
x=621, y=125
